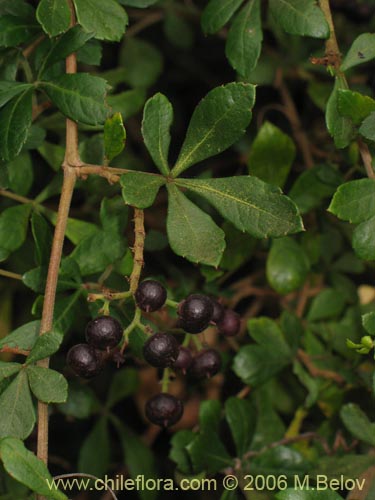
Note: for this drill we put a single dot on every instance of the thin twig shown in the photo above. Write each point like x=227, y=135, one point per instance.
x=9, y=274
x=71, y=160
x=139, y=243
x=332, y=49
x=318, y=372
x=145, y=22
x=294, y=119
x=366, y=158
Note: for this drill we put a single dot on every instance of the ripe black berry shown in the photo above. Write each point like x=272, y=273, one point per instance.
x=150, y=295
x=218, y=311
x=84, y=360
x=195, y=313
x=230, y=323
x=164, y=409
x=183, y=360
x=103, y=332
x=205, y=364
x=161, y=350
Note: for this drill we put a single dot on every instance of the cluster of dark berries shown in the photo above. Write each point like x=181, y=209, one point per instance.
x=102, y=334
x=162, y=350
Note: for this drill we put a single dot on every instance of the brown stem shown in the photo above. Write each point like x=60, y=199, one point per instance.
x=16, y=197
x=145, y=22
x=366, y=158
x=9, y=274
x=71, y=160
x=318, y=372
x=139, y=243
x=332, y=49
x=295, y=122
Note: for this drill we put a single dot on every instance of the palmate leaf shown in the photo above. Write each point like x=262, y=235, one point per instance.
x=300, y=17
x=79, y=97
x=217, y=13
x=156, y=123
x=139, y=189
x=191, y=232
x=105, y=18
x=54, y=16
x=245, y=38
x=17, y=409
x=15, y=122
x=249, y=203
x=218, y=121
x=26, y=468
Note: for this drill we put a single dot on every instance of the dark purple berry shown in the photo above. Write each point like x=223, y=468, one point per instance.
x=205, y=364
x=183, y=360
x=161, y=350
x=164, y=409
x=84, y=360
x=195, y=313
x=218, y=311
x=150, y=295
x=230, y=323
x=103, y=332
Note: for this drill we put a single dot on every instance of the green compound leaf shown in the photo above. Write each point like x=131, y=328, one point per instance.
x=354, y=105
x=114, y=136
x=329, y=303
x=357, y=423
x=140, y=189
x=272, y=154
x=191, y=232
x=156, y=123
x=16, y=218
x=368, y=322
x=45, y=345
x=364, y=239
x=241, y=418
x=245, y=37
x=143, y=62
x=23, y=337
x=89, y=461
x=300, y=17
x=207, y=452
x=15, y=122
x=340, y=127
x=361, y=51
x=47, y=385
x=255, y=364
x=217, y=13
x=7, y=369
x=314, y=185
x=54, y=16
x=64, y=45
x=17, y=409
x=27, y=469
x=106, y=19
x=79, y=97
x=287, y=266
x=367, y=129
x=218, y=121
x=354, y=201
x=250, y=204
x=8, y=90
x=15, y=30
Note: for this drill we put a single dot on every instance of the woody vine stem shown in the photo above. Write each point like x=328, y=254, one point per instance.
x=71, y=161
x=73, y=167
